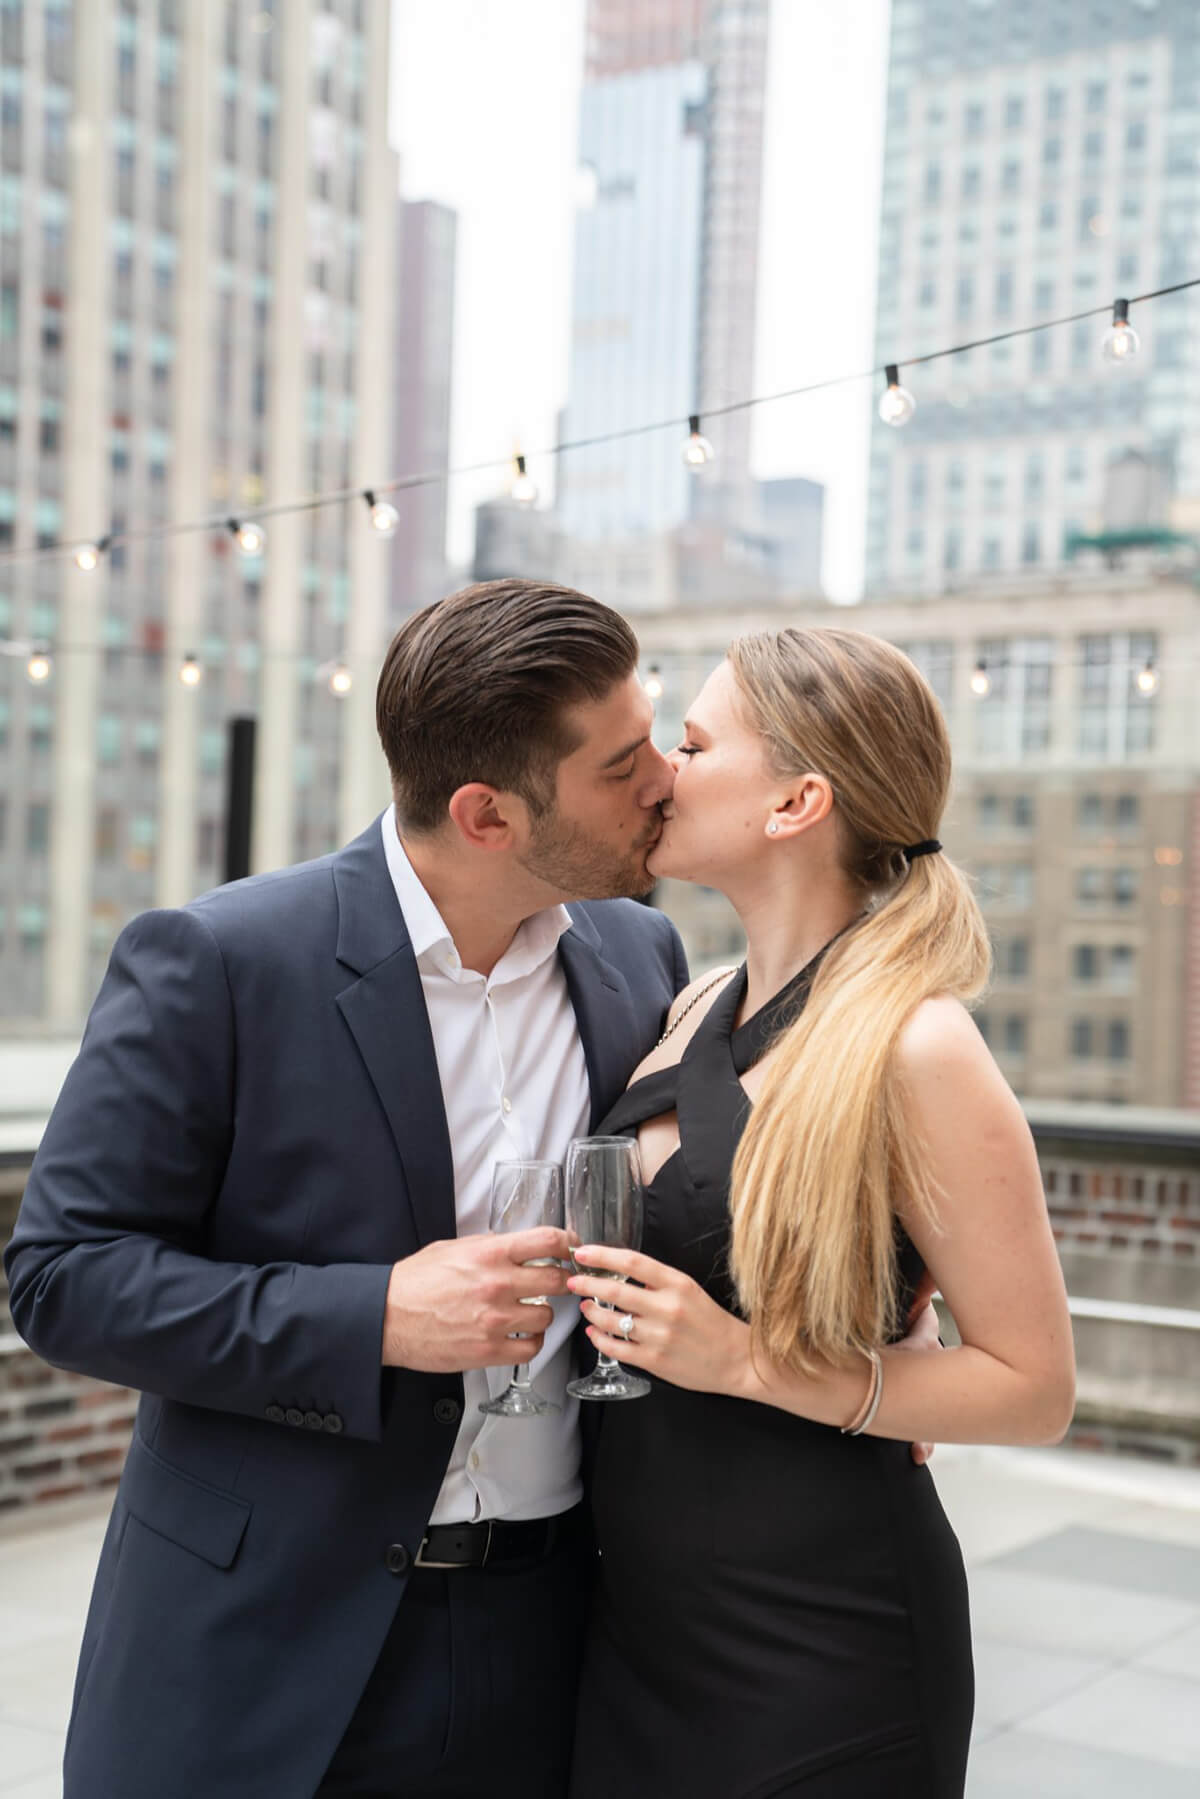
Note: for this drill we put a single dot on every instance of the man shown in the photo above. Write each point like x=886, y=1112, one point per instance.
x=262, y=1199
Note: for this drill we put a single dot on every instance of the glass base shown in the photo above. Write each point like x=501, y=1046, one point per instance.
x=611, y=1383
x=519, y=1402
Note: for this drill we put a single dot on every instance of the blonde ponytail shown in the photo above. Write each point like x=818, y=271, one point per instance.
x=828, y=1152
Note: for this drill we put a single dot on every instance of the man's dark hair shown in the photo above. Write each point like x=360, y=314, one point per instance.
x=476, y=687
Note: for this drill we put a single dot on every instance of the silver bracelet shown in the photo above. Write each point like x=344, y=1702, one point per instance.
x=861, y=1423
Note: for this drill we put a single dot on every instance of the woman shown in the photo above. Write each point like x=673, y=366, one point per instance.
x=782, y=1608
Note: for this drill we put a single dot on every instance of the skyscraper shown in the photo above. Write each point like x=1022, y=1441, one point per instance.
x=666, y=255
x=197, y=212
x=1039, y=161
x=421, y=411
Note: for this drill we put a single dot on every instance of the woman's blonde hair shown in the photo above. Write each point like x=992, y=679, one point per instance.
x=828, y=1151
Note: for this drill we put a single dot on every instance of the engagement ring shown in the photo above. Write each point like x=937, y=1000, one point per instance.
x=625, y=1326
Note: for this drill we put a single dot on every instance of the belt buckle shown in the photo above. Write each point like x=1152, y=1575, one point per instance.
x=420, y=1561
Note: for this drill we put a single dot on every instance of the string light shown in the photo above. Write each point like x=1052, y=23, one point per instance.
x=696, y=450
x=981, y=681
x=341, y=680
x=524, y=488
x=1146, y=679
x=190, y=672
x=653, y=685
x=1121, y=342
x=896, y=404
x=39, y=665
x=384, y=517
x=249, y=537
x=87, y=556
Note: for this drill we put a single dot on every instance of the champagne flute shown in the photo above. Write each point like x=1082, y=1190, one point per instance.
x=525, y=1195
x=604, y=1206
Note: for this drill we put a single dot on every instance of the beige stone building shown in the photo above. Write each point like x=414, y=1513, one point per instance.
x=1076, y=808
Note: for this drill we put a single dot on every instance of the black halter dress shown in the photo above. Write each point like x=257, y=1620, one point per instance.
x=782, y=1610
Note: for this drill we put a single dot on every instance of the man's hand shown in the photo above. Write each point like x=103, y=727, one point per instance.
x=457, y=1304
x=922, y=1334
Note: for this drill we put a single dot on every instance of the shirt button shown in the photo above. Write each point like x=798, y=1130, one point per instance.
x=506, y=1103
x=473, y=1460
x=447, y=1411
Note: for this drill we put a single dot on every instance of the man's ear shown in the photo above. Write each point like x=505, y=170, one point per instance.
x=487, y=818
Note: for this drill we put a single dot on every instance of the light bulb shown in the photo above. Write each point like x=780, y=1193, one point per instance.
x=249, y=537
x=384, y=517
x=981, y=681
x=696, y=450
x=1121, y=342
x=87, y=557
x=524, y=488
x=896, y=404
x=341, y=680
x=653, y=685
x=1146, y=679
x=38, y=666
x=190, y=672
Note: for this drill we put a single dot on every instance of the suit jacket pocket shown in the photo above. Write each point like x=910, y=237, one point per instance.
x=203, y=1519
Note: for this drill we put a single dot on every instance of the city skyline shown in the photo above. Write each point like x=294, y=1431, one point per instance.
x=519, y=85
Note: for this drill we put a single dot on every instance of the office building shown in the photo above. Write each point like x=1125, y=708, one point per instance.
x=197, y=215
x=1039, y=162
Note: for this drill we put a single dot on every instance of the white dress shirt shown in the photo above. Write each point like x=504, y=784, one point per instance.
x=515, y=1087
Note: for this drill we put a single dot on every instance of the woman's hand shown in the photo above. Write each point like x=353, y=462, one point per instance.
x=679, y=1334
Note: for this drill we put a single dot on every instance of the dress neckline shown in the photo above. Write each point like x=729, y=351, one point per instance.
x=750, y=1041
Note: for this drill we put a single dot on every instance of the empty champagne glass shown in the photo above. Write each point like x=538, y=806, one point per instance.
x=604, y=1206
x=525, y=1195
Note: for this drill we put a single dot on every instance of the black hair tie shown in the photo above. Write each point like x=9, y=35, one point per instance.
x=930, y=847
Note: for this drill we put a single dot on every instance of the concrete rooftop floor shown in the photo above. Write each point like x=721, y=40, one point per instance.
x=1085, y=1581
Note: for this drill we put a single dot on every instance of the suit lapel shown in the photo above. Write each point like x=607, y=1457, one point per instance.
x=603, y=1011
x=385, y=1011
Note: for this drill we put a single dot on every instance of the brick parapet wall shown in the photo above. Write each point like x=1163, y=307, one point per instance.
x=1126, y=1208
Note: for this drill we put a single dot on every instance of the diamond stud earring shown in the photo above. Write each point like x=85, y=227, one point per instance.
x=772, y=827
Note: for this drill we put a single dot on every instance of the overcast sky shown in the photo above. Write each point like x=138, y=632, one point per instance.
x=485, y=97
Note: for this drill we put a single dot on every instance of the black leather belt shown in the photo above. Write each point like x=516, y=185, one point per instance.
x=490, y=1542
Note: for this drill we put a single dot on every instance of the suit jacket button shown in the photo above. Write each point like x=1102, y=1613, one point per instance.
x=294, y=1415
x=397, y=1558
x=313, y=1421
x=333, y=1423
x=447, y=1411
x=276, y=1414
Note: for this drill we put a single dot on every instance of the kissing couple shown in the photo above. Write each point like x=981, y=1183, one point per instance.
x=262, y=1199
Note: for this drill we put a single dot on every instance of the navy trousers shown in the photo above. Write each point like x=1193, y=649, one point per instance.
x=474, y=1690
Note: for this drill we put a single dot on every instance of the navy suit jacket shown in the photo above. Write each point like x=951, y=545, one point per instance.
x=253, y=1133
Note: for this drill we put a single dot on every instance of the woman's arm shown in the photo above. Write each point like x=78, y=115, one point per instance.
x=992, y=1254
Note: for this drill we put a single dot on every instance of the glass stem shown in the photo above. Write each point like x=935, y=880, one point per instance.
x=605, y=1364
x=522, y=1378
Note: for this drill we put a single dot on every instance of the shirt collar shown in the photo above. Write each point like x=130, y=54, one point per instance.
x=535, y=941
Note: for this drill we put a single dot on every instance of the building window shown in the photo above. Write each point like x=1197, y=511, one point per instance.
x=1014, y=111
x=1135, y=135
x=1115, y=719
x=1017, y=962
x=1022, y=812
x=1097, y=96
x=37, y=828
x=1084, y=962
x=1089, y=813
x=1125, y=886
x=1121, y=959
x=1129, y=813
x=988, y=812
x=1081, y=1039
x=1056, y=103
x=973, y=119
x=1089, y=886
x=1118, y=1040
x=1014, y=1034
